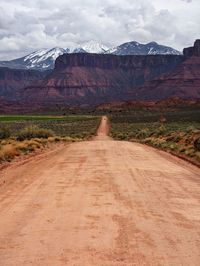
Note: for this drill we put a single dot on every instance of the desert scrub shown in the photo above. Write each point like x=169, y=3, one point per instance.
x=4, y=132
x=180, y=134
x=142, y=133
x=34, y=132
x=11, y=148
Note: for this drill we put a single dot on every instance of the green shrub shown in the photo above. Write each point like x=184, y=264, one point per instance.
x=142, y=134
x=57, y=139
x=5, y=132
x=190, y=129
x=174, y=138
x=160, y=131
x=197, y=144
x=34, y=132
x=121, y=136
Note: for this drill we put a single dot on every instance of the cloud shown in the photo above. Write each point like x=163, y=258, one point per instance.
x=27, y=25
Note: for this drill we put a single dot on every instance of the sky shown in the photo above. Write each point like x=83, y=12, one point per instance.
x=29, y=25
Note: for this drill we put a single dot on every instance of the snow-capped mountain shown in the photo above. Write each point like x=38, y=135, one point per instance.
x=94, y=47
x=44, y=59
x=135, y=48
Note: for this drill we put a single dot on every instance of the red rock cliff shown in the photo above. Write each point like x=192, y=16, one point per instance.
x=96, y=78
x=192, y=51
x=182, y=82
x=13, y=80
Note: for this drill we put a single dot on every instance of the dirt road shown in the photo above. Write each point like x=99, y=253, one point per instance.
x=100, y=203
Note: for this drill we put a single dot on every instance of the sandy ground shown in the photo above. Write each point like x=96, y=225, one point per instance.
x=100, y=203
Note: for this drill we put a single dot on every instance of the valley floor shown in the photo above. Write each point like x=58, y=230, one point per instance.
x=102, y=203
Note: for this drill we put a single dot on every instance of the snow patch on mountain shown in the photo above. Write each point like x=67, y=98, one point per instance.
x=94, y=47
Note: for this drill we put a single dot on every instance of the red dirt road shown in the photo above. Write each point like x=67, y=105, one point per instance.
x=100, y=203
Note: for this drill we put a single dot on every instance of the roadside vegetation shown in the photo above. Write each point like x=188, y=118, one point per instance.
x=176, y=131
x=21, y=135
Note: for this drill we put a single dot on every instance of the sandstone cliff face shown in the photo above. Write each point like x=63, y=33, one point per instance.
x=12, y=81
x=183, y=82
x=95, y=78
x=108, y=61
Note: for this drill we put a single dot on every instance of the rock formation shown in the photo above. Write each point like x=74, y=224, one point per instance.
x=13, y=80
x=94, y=78
x=182, y=82
x=192, y=51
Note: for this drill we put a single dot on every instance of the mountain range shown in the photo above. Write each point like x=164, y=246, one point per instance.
x=44, y=59
x=89, y=79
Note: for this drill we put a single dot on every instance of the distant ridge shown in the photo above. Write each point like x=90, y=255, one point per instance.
x=135, y=48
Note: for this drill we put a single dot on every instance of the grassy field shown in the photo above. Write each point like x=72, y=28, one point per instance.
x=69, y=118
x=23, y=134
x=176, y=131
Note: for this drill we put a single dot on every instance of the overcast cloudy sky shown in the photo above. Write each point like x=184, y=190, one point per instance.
x=28, y=25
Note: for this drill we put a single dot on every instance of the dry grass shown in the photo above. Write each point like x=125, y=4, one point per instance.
x=8, y=152
x=29, y=134
x=11, y=148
